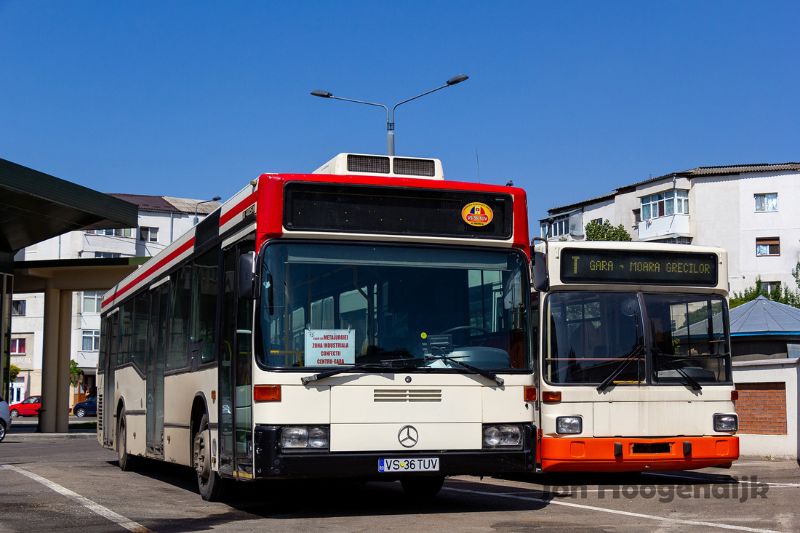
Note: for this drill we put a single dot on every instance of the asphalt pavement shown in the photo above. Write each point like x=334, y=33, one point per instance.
x=69, y=483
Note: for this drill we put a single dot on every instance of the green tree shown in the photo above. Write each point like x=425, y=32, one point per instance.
x=604, y=231
x=13, y=372
x=74, y=372
x=777, y=294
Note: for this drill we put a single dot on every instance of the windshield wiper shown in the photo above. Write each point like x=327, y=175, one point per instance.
x=466, y=366
x=386, y=364
x=689, y=380
x=637, y=351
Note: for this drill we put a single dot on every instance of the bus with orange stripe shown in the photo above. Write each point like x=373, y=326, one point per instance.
x=367, y=320
x=634, y=357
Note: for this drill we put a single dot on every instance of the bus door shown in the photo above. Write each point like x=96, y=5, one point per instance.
x=156, y=353
x=110, y=363
x=235, y=371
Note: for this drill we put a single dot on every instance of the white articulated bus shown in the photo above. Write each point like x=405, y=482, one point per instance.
x=634, y=357
x=373, y=323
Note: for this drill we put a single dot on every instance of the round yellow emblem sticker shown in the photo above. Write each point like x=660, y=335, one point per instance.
x=477, y=214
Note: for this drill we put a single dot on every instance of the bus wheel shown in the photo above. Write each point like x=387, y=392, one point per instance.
x=211, y=485
x=126, y=461
x=422, y=487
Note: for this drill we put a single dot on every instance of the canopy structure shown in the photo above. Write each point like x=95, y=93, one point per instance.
x=762, y=316
x=36, y=207
x=763, y=329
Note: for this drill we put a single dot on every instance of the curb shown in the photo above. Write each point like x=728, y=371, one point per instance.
x=12, y=437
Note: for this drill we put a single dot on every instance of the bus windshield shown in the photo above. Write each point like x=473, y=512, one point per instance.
x=332, y=305
x=594, y=334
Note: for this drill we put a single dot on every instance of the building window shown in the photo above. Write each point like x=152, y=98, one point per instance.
x=17, y=346
x=118, y=232
x=665, y=204
x=92, y=301
x=771, y=286
x=768, y=246
x=148, y=234
x=18, y=307
x=107, y=255
x=597, y=220
x=559, y=226
x=90, y=340
x=766, y=202
x=637, y=216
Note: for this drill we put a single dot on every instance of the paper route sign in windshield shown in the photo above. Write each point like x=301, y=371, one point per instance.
x=326, y=347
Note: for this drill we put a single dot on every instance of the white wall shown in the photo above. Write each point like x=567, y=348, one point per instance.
x=772, y=371
x=728, y=216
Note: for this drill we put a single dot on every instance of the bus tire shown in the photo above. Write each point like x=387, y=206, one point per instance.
x=211, y=485
x=421, y=488
x=127, y=462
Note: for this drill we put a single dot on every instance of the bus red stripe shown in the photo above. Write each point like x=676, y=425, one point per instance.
x=172, y=255
x=238, y=208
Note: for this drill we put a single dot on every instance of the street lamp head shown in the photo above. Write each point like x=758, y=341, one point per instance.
x=457, y=79
x=216, y=199
x=321, y=94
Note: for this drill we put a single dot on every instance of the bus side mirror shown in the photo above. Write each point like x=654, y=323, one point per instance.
x=246, y=273
x=541, y=279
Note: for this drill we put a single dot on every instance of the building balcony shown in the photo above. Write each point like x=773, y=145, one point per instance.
x=665, y=227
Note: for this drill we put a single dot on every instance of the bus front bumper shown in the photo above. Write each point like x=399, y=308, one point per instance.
x=272, y=462
x=634, y=454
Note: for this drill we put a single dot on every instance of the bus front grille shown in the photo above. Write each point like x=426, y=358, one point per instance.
x=407, y=395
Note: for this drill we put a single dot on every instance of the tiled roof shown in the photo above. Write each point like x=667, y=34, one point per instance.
x=167, y=204
x=147, y=202
x=740, y=169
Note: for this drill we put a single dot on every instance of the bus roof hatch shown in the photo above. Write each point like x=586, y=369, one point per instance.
x=383, y=165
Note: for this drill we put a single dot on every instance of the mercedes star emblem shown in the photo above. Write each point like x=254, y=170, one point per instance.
x=408, y=436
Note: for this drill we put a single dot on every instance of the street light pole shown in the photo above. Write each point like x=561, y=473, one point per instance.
x=390, y=113
x=197, y=206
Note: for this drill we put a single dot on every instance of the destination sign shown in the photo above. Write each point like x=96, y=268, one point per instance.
x=638, y=267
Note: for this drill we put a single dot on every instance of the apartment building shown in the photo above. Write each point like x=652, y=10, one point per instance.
x=162, y=219
x=750, y=210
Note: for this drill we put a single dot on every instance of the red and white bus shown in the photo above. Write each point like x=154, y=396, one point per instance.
x=634, y=356
x=368, y=320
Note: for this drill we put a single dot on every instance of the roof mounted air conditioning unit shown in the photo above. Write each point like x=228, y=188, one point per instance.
x=383, y=165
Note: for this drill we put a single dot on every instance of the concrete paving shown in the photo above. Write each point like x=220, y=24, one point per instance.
x=71, y=484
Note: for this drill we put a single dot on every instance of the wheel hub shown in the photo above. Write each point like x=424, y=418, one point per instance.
x=202, y=463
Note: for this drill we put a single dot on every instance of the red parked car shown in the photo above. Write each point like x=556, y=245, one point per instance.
x=27, y=407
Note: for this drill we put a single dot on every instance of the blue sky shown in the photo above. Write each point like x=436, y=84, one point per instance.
x=568, y=99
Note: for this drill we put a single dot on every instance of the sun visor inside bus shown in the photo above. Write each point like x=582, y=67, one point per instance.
x=397, y=211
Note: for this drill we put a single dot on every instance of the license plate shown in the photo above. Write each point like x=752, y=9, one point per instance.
x=405, y=464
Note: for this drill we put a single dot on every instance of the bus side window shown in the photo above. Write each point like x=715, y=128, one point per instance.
x=181, y=299
x=205, y=293
x=141, y=321
x=125, y=330
x=113, y=348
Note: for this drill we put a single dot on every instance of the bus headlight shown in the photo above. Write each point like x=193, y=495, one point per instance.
x=318, y=437
x=501, y=436
x=569, y=425
x=725, y=422
x=315, y=437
